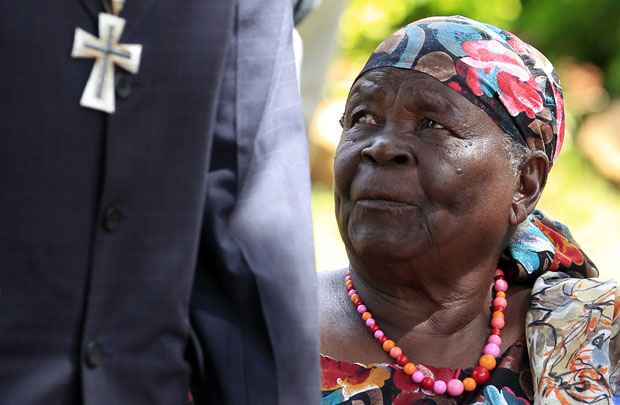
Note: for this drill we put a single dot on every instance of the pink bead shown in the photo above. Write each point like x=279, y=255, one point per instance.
x=500, y=301
x=495, y=339
x=370, y=322
x=395, y=352
x=501, y=285
x=347, y=277
x=379, y=334
x=417, y=377
x=455, y=387
x=491, y=349
x=498, y=323
x=440, y=387
x=352, y=291
x=361, y=308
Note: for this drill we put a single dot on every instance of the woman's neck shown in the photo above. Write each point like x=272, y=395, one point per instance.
x=430, y=303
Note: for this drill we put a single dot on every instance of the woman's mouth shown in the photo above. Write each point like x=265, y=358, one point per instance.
x=380, y=203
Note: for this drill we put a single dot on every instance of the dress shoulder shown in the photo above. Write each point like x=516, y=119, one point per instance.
x=571, y=327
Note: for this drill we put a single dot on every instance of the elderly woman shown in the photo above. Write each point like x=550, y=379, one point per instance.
x=458, y=291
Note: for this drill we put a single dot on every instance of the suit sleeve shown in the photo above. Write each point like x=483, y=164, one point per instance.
x=254, y=306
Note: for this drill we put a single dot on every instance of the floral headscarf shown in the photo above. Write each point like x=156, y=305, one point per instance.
x=510, y=80
x=542, y=245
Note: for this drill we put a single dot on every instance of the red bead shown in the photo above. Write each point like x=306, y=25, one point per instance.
x=428, y=383
x=374, y=328
x=495, y=331
x=499, y=273
x=402, y=360
x=481, y=375
x=382, y=339
x=499, y=308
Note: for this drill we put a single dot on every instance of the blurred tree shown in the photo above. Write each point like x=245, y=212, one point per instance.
x=367, y=22
x=584, y=30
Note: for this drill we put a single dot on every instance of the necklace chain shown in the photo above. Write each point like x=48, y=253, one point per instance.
x=113, y=6
x=480, y=374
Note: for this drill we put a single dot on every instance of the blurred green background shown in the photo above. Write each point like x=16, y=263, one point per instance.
x=582, y=39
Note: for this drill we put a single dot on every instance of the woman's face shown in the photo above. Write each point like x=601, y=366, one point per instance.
x=419, y=171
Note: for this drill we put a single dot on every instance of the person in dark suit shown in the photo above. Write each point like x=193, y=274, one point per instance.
x=166, y=244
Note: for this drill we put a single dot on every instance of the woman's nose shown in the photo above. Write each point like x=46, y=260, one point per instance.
x=384, y=151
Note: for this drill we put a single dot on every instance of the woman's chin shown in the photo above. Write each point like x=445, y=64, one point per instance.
x=384, y=235
x=385, y=247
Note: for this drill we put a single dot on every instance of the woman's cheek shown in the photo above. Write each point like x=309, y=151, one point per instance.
x=345, y=164
x=451, y=178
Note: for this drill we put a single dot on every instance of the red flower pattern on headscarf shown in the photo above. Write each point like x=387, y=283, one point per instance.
x=519, y=96
x=518, y=89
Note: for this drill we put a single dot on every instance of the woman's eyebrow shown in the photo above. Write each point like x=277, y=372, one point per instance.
x=357, y=99
x=429, y=100
x=367, y=88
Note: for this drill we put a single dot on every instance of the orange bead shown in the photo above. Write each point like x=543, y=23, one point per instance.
x=409, y=368
x=487, y=361
x=500, y=294
x=498, y=314
x=469, y=384
x=355, y=298
x=366, y=315
x=388, y=345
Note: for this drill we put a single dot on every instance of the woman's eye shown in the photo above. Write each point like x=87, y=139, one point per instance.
x=430, y=124
x=363, y=118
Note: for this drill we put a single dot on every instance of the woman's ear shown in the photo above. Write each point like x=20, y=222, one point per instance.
x=531, y=180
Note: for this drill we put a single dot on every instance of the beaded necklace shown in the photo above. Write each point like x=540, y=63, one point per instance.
x=480, y=374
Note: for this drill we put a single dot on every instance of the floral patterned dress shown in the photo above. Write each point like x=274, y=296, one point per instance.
x=383, y=384
x=569, y=353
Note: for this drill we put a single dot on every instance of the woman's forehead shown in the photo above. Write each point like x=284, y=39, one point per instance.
x=406, y=87
x=417, y=93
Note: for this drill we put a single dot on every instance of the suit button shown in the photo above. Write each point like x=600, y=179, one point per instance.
x=123, y=86
x=112, y=218
x=93, y=357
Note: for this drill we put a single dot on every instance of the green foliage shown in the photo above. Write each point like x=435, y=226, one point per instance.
x=367, y=22
x=584, y=30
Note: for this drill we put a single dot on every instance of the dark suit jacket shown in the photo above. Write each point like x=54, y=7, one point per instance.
x=183, y=217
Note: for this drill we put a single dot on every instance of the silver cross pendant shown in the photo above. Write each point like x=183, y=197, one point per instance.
x=107, y=52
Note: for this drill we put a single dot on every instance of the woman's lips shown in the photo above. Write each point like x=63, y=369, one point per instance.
x=379, y=203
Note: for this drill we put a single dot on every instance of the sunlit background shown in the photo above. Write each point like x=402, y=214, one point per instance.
x=581, y=37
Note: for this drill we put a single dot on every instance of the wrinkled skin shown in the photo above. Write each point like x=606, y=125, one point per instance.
x=426, y=200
